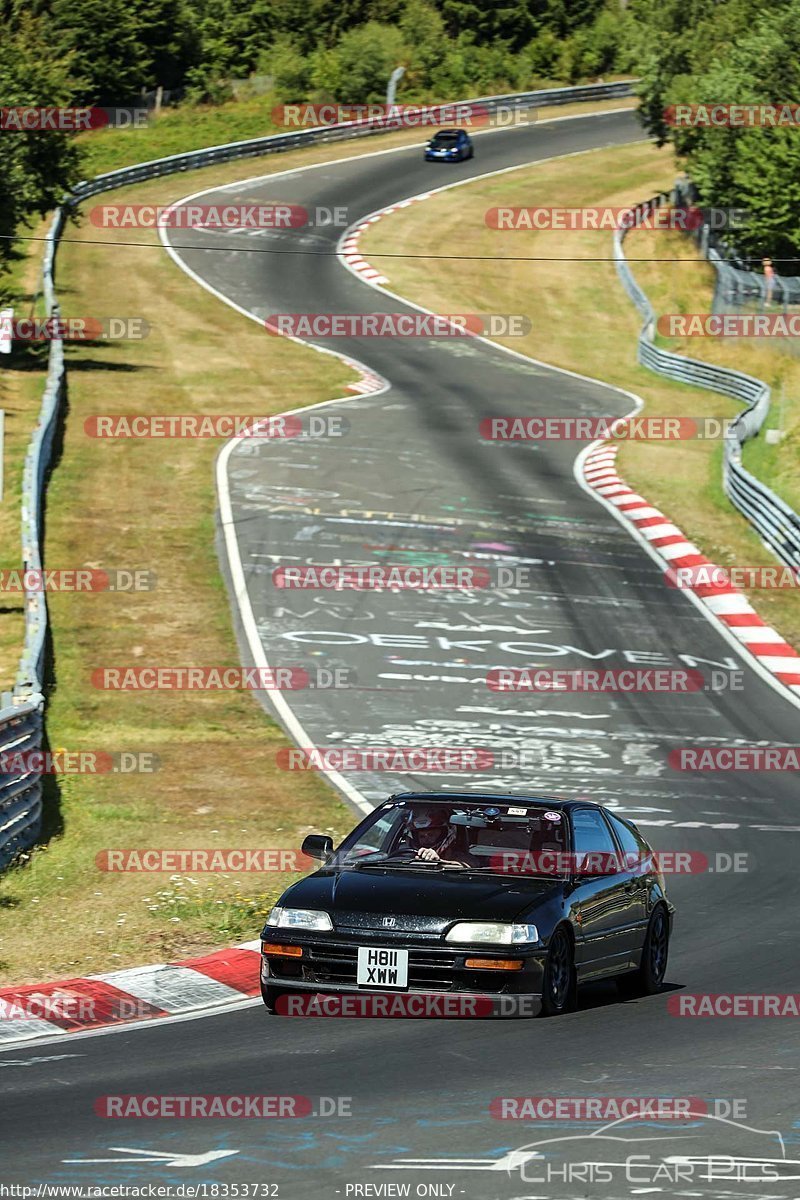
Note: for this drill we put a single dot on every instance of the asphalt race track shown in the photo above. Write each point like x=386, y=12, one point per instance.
x=411, y=481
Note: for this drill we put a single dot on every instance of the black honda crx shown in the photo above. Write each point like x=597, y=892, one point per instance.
x=513, y=899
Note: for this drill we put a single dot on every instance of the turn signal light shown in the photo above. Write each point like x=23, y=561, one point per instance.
x=277, y=948
x=495, y=964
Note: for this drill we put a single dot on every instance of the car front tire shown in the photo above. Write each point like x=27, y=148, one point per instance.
x=559, y=985
x=648, y=979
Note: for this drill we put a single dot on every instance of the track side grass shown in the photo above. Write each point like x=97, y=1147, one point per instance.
x=565, y=281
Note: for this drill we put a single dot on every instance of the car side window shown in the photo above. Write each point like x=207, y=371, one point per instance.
x=625, y=835
x=378, y=835
x=634, y=848
x=592, y=837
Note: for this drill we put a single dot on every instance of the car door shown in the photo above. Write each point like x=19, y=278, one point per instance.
x=638, y=855
x=606, y=899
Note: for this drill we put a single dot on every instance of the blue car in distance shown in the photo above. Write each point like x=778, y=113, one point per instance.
x=449, y=145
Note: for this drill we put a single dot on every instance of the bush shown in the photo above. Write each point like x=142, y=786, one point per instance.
x=289, y=68
x=542, y=56
x=358, y=67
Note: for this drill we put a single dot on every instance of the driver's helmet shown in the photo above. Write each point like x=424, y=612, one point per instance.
x=429, y=825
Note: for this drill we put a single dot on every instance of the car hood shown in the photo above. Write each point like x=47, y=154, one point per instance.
x=427, y=900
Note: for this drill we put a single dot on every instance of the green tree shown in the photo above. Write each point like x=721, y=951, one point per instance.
x=357, y=69
x=232, y=35
x=542, y=56
x=35, y=168
x=682, y=38
x=289, y=68
x=305, y=22
x=489, y=21
x=116, y=48
x=109, y=61
x=423, y=31
x=744, y=52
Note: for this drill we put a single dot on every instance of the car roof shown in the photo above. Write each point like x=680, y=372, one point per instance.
x=483, y=798
x=449, y=131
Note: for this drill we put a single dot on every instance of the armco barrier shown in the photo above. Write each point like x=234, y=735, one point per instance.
x=776, y=523
x=22, y=712
x=278, y=142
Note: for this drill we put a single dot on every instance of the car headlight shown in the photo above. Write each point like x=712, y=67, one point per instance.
x=299, y=918
x=492, y=933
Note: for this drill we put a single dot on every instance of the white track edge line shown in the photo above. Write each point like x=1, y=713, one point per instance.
x=782, y=689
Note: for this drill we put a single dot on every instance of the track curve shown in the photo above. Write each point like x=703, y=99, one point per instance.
x=412, y=467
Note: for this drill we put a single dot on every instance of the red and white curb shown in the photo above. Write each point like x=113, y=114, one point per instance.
x=369, y=381
x=38, y=1010
x=349, y=248
x=723, y=604
x=727, y=604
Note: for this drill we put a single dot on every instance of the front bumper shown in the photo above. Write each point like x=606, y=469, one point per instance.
x=329, y=965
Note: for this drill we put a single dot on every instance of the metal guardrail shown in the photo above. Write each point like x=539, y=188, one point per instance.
x=738, y=285
x=775, y=522
x=279, y=142
x=21, y=720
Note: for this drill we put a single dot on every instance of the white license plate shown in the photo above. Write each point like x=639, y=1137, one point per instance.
x=382, y=968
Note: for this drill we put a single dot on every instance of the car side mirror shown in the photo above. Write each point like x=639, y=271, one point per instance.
x=317, y=845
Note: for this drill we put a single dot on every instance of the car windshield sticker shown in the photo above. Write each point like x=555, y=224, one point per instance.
x=552, y=816
x=517, y=812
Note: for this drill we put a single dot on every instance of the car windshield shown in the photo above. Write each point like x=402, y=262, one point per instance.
x=508, y=839
x=445, y=139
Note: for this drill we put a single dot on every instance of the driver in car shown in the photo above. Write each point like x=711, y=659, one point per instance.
x=433, y=838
